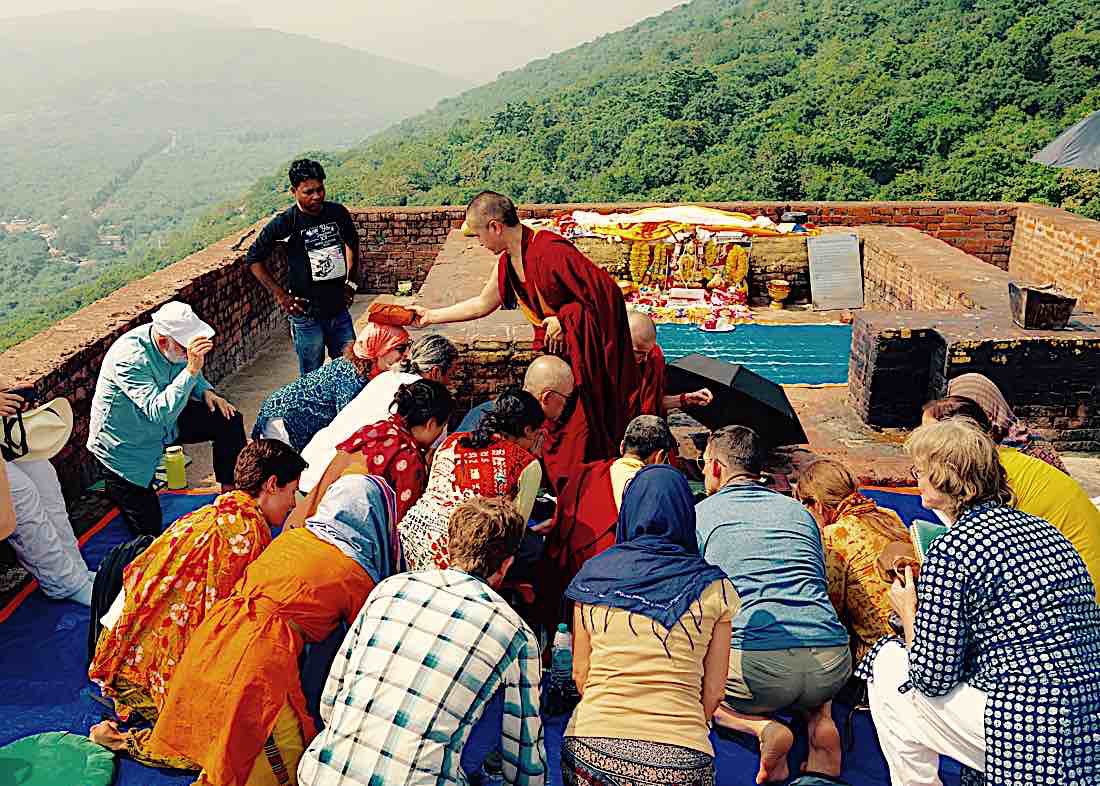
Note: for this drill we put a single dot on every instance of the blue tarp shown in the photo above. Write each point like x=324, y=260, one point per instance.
x=45, y=687
x=786, y=354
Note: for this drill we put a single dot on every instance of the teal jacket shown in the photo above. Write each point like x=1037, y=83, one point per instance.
x=138, y=398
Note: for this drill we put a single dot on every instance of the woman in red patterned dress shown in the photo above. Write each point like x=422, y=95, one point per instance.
x=496, y=460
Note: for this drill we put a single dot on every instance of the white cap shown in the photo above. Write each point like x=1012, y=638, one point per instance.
x=177, y=321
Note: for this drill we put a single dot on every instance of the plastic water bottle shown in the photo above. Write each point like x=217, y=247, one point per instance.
x=561, y=695
x=561, y=656
x=175, y=468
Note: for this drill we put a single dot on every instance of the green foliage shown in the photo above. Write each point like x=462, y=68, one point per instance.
x=766, y=99
x=713, y=100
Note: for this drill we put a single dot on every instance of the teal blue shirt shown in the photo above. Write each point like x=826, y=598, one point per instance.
x=138, y=398
x=770, y=547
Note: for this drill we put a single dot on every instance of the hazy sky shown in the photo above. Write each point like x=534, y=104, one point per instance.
x=474, y=39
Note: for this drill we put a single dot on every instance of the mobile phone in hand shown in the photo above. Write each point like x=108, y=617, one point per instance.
x=27, y=394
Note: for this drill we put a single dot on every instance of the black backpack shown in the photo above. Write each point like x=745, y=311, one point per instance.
x=108, y=583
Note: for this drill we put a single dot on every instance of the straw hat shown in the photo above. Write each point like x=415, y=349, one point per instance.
x=47, y=429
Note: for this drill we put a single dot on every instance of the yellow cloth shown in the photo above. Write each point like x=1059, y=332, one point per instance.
x=635, y=690
x=858, y=594
x=287, y=740
x=1044, y=491
x=622, y=472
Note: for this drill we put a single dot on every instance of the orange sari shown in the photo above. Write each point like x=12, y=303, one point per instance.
x=242, y=666
x=170, y=588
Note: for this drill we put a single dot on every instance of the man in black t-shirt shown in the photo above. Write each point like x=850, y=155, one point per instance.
x=321, y=256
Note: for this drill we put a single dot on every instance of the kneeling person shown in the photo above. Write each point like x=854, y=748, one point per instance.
x=378, y=730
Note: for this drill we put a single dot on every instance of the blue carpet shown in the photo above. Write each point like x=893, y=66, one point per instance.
x=786, y=354
x=45, y=687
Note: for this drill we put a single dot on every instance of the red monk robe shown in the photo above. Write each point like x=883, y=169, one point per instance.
x=584, y=526
x=562, y=282
x=651, y=392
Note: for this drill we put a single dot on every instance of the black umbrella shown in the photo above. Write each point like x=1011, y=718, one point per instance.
x=1078, y=147
x=741, y=397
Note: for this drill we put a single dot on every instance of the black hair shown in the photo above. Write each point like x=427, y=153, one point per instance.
x=647, y=434
x=496, y=207
x=262, y=458
x=514, y=411
x=740, y=447
x=420, y=401
x=959, y=407
x=305, y=169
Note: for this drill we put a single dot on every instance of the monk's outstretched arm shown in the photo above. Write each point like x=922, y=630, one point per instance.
x=479, y=306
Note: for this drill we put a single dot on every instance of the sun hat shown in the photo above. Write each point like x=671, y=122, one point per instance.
x=180, y=323
x=38, y=434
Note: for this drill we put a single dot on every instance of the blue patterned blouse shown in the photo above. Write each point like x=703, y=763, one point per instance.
x=1004, y=603
x=310, y=403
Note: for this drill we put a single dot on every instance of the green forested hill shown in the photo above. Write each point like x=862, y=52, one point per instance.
x=766, y=99
x=724, y=100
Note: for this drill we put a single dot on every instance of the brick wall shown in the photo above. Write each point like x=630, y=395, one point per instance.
x=779, y=257
x=64, y=361
x=981, y=229
x=904, y=270
x=899, y=360
x=485, y=367
x=397, y=244
x=1052, y=245
x=890, y=368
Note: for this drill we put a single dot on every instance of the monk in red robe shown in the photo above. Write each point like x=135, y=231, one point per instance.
x=578, y=313
x=588, y=509
x=651, y=363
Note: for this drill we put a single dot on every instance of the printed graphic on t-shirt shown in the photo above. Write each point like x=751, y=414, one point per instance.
x=325, y=249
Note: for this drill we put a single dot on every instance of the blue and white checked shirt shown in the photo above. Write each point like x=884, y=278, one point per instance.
x=415, y=672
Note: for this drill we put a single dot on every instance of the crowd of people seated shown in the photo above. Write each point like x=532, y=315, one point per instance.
x=734, y=608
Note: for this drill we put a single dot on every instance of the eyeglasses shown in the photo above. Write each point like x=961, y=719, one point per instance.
x=701, y=461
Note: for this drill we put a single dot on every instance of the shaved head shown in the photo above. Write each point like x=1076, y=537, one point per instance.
x=548, y=372
x=643, y=335
x=491, y=206
x=643, y=330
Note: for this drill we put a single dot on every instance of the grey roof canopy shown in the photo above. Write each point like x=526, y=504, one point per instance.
x=1078, y=147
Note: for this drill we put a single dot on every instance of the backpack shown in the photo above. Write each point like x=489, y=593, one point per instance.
x=108, y=583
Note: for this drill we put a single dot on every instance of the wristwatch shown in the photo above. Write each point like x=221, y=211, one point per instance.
x=352, y=284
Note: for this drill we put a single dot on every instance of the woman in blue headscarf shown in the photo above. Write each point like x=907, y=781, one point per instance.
x=651, y=625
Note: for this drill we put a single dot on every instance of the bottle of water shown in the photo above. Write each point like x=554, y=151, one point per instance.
x=561, y=694
x=561, y=656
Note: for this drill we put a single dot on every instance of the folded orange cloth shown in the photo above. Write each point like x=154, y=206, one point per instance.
x=390, y=314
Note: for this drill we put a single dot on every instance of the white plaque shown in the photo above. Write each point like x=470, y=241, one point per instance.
x=836, y=275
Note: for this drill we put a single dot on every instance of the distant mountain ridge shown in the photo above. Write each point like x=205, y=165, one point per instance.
x=85, y=92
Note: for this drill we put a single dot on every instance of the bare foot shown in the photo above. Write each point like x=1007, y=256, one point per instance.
x=775, y=743
x=106, y=733
x=825, y=748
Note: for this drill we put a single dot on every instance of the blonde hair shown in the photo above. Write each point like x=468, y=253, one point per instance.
x=482, y=533
x=961, y=462
x=828, y=483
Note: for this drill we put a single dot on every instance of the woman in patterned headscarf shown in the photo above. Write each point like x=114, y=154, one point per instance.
x=295, y=412
x=1008, y=430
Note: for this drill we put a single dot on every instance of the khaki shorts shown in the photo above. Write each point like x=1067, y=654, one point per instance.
x=761, y=682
